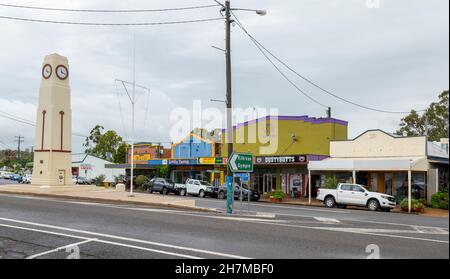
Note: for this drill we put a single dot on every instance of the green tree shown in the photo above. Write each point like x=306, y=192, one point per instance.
x=436, y=116
x=162, y=171
x=331, y=182
x=120, y=156
x=101, y=144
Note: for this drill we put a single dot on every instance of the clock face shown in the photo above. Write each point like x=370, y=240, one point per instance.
x=47, y=71
x=62, y=72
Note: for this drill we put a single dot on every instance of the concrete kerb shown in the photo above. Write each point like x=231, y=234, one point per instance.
x=111, y=201
x=140, y=203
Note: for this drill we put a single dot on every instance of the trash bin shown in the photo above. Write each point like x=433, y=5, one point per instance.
x=106, y=184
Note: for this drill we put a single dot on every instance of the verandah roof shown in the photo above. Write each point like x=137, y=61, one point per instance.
x=371, y=164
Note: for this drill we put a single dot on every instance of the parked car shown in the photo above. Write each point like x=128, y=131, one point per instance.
x=83, y=181
x=7, y=175
x=16, y=177
x=238, y=189
x=180, y=189
x=161, y=185
x=199, y=188
x=27, y=179
x=354, y=194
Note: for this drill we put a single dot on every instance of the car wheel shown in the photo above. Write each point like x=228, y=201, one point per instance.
x=373, y=205
x=330, y=202
x=221, y=195
x=150, y=190
x=182, y=192
x=164, y=191
x=201, y=194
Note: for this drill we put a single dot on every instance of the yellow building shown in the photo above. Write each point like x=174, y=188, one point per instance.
x=283, y=146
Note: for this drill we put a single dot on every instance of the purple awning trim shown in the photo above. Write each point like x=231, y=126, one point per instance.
x=317, y=157
x=304, y=118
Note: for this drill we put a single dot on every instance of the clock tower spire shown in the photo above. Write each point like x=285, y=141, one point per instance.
x=52, y=152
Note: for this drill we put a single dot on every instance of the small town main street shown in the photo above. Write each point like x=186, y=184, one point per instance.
x=48, y=228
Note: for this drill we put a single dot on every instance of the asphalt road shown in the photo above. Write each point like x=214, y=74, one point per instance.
x=296, y=211
x=53, y=228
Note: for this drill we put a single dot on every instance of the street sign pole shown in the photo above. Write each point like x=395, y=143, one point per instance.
x=237, y=163
x=230, y=194
x=248, y=194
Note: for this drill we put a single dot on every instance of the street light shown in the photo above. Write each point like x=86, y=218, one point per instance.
x=261, y=12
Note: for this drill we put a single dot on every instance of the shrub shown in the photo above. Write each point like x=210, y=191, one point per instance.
x=277, y=195
x=416, y=205
x=330, y=182
x=98, y=181
x=439, y=200
x=140, y=180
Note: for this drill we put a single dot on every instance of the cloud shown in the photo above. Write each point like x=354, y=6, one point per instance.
x=395, y=57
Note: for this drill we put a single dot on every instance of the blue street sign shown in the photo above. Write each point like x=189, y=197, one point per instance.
x=243, y=176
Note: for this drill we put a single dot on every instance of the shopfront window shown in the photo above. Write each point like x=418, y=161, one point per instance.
x=388, y=183
x=400, y=186
x=418, y=185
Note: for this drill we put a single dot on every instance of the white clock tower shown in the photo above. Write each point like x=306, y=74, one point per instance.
x=52, y=151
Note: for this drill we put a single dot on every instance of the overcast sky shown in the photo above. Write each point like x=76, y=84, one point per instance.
x=394, y=57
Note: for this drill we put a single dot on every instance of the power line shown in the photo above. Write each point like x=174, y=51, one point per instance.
x=2, y=112
x=279, y=70
x=109, y=11
x=260, y=46
x=17, y=120
x=111, y=24
x=27, y=122
x=6, y=145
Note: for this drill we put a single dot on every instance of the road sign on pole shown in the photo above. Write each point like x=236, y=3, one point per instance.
x=238, y=163
x=241, y=162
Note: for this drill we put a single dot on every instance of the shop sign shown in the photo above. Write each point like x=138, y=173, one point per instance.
x=296, y=159
x=141, y=158
x=211, y=161
x=157, y=162
x=182, y=162
x=86, y=167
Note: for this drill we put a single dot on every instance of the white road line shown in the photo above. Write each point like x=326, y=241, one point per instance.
x=98, y=240
x=364, y=221
x=327, y=220
x=186, y=213
x=146, y=249
x=60, y=248
x=389, y=231
x=353, y=231
x=429, y=230
x=292, y=207
x=127, y=239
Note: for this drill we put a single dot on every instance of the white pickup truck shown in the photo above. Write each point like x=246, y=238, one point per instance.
x=354, y=194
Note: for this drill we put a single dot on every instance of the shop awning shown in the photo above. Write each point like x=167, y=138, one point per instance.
x=370, y=164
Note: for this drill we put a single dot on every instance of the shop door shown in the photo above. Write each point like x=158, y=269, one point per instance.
x=269, y=182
